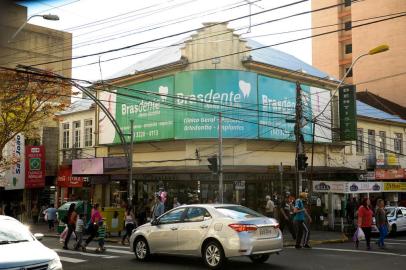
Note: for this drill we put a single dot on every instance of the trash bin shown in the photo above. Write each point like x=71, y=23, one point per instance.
x=114, y=219
x=82, y=207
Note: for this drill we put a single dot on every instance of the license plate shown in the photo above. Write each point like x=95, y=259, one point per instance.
x=266, y=231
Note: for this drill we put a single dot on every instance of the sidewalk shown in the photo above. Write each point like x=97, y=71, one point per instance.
x=316, y=237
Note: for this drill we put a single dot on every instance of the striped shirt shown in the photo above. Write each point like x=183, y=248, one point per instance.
x=102, y=231
x=79, y=225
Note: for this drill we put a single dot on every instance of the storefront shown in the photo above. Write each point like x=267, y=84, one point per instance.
x=70, y=187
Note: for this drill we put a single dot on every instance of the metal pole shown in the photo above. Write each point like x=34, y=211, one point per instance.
x=310, y=181
x=298, y=133
x=220, y=150
x=281, y=179
x=130, y=167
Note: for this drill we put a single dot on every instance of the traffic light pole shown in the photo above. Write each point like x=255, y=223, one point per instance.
x=220, y=157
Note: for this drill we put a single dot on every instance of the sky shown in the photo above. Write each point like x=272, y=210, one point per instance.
x=100, y=25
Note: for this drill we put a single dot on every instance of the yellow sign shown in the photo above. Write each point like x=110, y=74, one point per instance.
x=392, y=159
x=394, y=186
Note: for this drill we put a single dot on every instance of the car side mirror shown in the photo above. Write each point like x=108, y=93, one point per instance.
x=206, y=218
x=155, y=222
x=399, y=215
x=38, y=236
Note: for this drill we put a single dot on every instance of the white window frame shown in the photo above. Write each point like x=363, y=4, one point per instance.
x=88, y=126
x=76, y=125
x=65, y=135
x=398, y=143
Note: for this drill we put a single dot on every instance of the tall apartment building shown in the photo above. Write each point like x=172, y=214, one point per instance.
x=382, y=74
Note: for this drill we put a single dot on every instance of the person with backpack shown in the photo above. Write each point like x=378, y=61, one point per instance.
x=71, y=223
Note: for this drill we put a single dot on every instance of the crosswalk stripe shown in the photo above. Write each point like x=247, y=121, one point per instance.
x=119, y=247
x=71, y=260
x=114, y=251
x=358, y=251
x=85, y=253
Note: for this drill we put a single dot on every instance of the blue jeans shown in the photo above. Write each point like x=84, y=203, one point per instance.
x=383, y=232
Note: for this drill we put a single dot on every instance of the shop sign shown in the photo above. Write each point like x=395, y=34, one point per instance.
x=348, y=110
x=363, y=187
x=35, y=166
x=380, y=160
x=160, y=111
x=66, y=179
x=115, y=163
x=346, y=187
x=15, y=151
x=329, y=186
x=394, y=187
x=239, y=185
x=392, y=159
x=87, y=166
x=367, y=176
x=390, y=174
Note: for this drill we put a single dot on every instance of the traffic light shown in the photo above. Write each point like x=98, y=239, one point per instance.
x=301, y=162
x=213, y=164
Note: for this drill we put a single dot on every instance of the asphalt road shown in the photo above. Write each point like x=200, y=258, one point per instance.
x=327, y=256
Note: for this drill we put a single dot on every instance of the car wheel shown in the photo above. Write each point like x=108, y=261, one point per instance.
x=393, y=230
x=213, y=255
x=259, y=258
x=141, y=249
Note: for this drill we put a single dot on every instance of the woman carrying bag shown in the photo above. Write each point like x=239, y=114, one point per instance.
x=365, y=214
x=71, y=223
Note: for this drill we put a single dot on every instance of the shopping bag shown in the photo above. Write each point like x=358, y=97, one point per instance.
x=360, y=234
x=63, y=234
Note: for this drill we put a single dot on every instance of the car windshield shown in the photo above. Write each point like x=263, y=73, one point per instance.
x=390, y=211
x=238, y=212
x=14, y=232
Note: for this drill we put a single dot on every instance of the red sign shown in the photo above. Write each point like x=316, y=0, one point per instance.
x=390, y=174
x=34, y=166
x=65, y=178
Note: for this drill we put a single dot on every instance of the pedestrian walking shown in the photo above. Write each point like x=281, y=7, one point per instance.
x=129, y=224
x=50, y=216
x=101, y=231
x=381, y=222
x=306, y=225
x=176, y=203
x=79, y=228
x=269, y=206
x=34, y=213
x=71, y=219
x=158, y=208
x=93, y=226
x=285, y=217
x=298, y=220
x=365, y=214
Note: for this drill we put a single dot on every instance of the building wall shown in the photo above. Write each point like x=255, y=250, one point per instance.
x=382, y=74
x=34, y=44
x=358, y=160
x=82, y=151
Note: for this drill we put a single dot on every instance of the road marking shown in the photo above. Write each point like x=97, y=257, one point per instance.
x=71, y=260
x=119, y=247
x=114, y=251
x=390, y=239
x=358, y=251
x=104, y=256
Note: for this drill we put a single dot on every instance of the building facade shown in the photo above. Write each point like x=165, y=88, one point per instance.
x=382, y=74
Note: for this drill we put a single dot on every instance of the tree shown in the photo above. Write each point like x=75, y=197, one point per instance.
x=27, y=100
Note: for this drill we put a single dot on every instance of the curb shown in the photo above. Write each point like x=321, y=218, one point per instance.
x=343, y=239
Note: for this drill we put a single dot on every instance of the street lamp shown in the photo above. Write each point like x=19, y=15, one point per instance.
x=376, y=50
x=50, y=17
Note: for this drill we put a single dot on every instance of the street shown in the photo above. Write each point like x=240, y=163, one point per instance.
x=326, y=256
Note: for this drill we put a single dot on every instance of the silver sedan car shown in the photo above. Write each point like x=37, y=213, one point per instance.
x=213, y=231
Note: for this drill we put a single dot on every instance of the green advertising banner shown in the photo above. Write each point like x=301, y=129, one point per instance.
x=348, y=112
x=187, y=106
x=149, y=104
x=277, y=109
x=201, y=94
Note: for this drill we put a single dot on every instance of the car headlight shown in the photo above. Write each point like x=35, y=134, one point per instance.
x=55, y=264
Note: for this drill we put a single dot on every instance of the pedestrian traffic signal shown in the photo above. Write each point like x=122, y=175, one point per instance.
x=301, y=162
x=213, y=164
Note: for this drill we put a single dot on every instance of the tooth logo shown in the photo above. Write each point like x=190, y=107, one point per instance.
x=163, y=92
x=245, y=88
